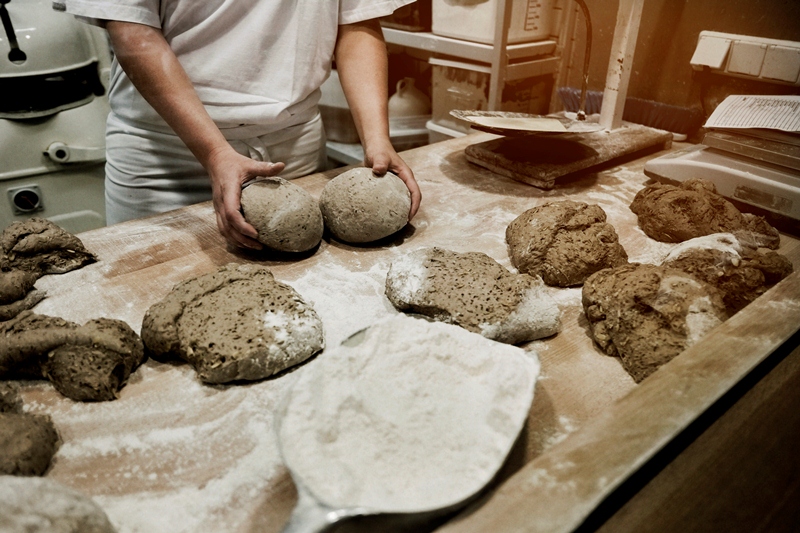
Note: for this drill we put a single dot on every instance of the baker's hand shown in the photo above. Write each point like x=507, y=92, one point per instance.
x=384, y=158
x=229, y=170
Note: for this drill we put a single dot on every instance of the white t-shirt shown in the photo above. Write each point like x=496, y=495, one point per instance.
x=256, y=65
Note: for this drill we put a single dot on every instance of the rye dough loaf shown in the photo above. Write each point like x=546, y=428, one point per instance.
x=564, y=242
x=237, y=323
x=648, y=314
x=40, y=246
x=28, y=250
x=360, y=207
x=473, y=291
x=17, y=293
x=741, y=274
x=27, y=442
x=41, y=505
x=286, y=217
x=670, y=213
x=91, y=362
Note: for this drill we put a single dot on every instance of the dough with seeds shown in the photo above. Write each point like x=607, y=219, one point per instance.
x=473, y=291
x=237, y=323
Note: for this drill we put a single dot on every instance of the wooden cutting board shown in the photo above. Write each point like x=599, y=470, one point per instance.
x=539, y=160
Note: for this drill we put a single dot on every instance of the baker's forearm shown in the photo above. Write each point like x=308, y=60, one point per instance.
x=157, y=74
x=362, y=63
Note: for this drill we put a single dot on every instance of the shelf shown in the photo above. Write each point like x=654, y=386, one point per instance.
x=464, y=49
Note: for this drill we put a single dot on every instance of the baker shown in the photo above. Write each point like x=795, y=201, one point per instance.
x=206, y=96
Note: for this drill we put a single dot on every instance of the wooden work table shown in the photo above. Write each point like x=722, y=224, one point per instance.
x=172, y=454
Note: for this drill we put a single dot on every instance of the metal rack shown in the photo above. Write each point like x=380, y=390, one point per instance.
x=507, y=62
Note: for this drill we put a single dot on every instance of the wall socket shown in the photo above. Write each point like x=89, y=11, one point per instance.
x=743, y=56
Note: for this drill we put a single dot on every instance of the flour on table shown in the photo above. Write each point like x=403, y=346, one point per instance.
x=407, y=415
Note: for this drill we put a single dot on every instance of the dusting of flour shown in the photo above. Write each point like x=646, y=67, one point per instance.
x=407, y=416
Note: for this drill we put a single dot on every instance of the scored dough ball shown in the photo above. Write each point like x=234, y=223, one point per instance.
x=359, y=206
x=286, y=217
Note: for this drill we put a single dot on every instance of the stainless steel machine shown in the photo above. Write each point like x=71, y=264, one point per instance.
x=54, y=73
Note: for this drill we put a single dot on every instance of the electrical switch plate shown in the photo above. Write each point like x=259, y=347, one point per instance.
x=781, y=63
x=747, y=58
x=711, y=52
x=744, y=56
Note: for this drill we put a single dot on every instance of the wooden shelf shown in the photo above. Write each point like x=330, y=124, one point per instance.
x=464, y=49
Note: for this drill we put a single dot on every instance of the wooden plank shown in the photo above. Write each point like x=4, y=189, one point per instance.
x=740, y=474
x=540, y=160
x=629, y=14
x=499, y=56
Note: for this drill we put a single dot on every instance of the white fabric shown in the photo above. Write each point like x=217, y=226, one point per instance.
x=149, y=172
x=256, y=64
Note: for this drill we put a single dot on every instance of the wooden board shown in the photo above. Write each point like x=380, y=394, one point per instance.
x=174, y=455
x=539, y=160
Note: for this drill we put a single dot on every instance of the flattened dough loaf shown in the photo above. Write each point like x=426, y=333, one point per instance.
x=91, y=362
x=740, y=274
x=287, y=218
x=473, y=291
x=564, y=242
x=237, y=323
x=38, y=245
x=648, y=314
x=360, y=207
x=670, y=213
x=17, y=293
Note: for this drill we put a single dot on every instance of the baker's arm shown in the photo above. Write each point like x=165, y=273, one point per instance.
x=154, y=70
x=362, y=63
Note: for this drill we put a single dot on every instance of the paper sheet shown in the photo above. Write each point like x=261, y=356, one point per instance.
x=757, y=111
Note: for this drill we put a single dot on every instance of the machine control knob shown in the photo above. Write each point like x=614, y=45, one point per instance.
x=58, y=152
x=62, y=153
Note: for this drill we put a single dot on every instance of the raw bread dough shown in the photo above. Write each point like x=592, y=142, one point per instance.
x=648, y=314
x=17, y=293
x=38, y=245
x=675, y=214
x=15, y=285
x=473, y=291
x=287, y=218
x=28, y=250
x=27, y=442
x=41, y=505
x=406, y=415
x=86, y=363
x=564, y=242
x=360, y=207
x=10, y=401
x=741, y=274
x=237, y=323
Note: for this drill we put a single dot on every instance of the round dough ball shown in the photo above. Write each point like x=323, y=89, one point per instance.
x=359, y=206
x=286, y=217
x=46, y=506
x=27, y=444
